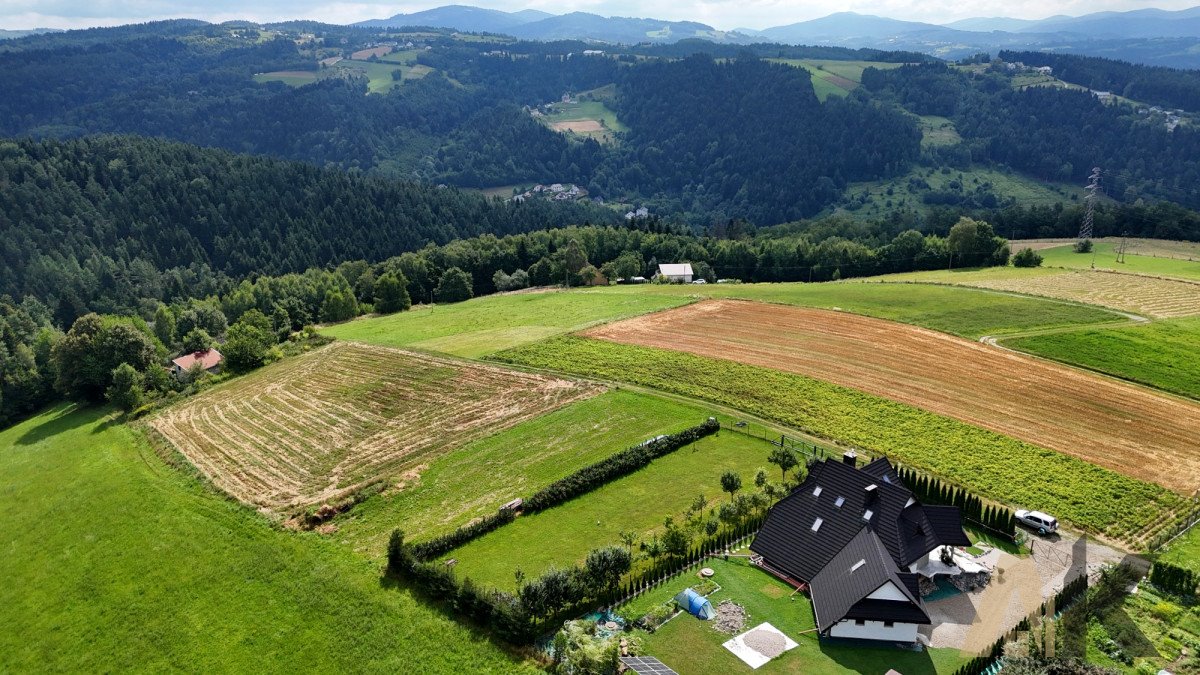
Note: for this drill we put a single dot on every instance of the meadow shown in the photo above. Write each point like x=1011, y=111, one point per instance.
x=1126, y=428
x=996, y=466
x=1144, y=295
x=965, y=312
x=312, y=428
x=835, y=78
x=1162, y=354
x=476, y=479
x=563, y=535
x=116, y=560
x=565, y=114
x=1105, y=258
x=872, y=199
x=693, y=646
x=483, y=325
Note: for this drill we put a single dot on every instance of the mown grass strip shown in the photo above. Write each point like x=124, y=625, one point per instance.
x=1160, y=354
x=991, y=464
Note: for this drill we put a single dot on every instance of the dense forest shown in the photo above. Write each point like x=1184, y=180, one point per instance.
x=1051, y=133
x=715, y=132
x=98, y=223
x=732, y=126
x=1154, y=85
x=747, y=138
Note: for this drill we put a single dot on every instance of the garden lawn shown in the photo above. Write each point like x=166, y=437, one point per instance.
x=1106, y=259
x=484, y=325
x=988, y=463
x=115, y=561
x=476, y=479
x=563, y=535
x=968, y=312
x=1163, y=354
x=1185, y=551
x=690, y=645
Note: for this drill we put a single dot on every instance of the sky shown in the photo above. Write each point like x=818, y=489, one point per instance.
x=722, y=14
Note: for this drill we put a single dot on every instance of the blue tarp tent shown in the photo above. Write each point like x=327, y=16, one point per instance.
x=695, y=604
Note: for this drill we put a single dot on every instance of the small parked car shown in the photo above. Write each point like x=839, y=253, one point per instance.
x=1042, y=522
x=699, y=281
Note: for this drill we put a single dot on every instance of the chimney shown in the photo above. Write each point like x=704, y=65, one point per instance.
x=850, y=457
x=872, y=491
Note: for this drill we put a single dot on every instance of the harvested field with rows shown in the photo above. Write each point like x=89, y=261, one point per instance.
x=1119, y=426
x=312, y=428
x=1158, y=298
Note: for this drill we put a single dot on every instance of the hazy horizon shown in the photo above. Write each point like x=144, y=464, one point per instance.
x=721, y=14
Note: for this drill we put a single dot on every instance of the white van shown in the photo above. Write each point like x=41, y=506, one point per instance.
x=1043, y=523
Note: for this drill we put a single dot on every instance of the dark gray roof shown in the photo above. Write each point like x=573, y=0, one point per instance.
x=839, y=591
x=789, y=544
x=646, y=665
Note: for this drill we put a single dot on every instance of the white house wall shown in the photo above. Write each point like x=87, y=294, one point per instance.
x=888, y=591
x=875, y=630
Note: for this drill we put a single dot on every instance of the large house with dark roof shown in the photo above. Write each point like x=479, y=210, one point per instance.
x=860, y=541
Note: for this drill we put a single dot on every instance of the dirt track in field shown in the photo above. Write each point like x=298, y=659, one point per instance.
x=578, y=126
x=1123, y=427
x=315, y=427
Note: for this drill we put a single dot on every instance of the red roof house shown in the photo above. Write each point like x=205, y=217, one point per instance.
x=209, y=358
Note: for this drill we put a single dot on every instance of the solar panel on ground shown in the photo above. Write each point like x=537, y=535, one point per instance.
x=647, y=665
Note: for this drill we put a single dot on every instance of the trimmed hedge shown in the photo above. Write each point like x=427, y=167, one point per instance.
x=623, y=463
x=434, y=548
x=1174, y=579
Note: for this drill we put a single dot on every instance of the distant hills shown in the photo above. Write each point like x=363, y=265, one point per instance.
x=536, y=25
x=1153, y=36
x=14, y=34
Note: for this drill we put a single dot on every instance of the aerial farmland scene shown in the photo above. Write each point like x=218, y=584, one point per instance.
x=819, y=338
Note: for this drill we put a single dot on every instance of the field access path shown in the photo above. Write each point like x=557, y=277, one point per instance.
x=1120, y=426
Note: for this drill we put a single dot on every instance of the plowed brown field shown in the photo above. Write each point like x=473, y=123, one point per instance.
x=1123, y=427
x=317, y=426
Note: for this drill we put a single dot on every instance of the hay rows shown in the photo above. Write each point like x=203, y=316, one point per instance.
x=315, y=427
x=1159, y=298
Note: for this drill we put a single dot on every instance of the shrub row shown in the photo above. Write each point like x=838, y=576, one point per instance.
x=623, y=463
x=496, y=609
x=933, y=490
x=428, y=550
x=1174, y=579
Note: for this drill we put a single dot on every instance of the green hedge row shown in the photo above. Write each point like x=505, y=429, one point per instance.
x=428, y=550
x=621, y=464
x=1174, y=579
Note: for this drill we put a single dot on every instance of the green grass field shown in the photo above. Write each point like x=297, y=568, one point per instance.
x=1105, y=258
x=938, y=131
x=379, y=74
x=117, y=561
x=1185, y=551
x=563, y=535
x=292, y=78
x=992, y=465
x=484, y=325
x=968, y=312
x=835, y=78
x=1162, y=354
x=478, y=478
x=871, y=199
x=588, y=110
x=690, y=645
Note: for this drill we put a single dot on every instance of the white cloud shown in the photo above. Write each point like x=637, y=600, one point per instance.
x=724, y=14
